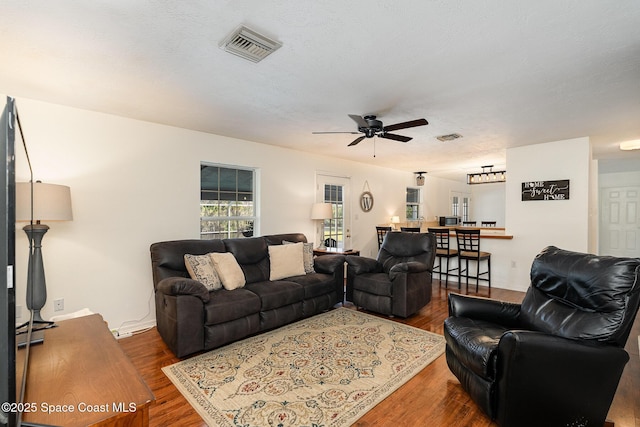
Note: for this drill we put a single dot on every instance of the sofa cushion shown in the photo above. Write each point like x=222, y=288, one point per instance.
x=286, y=261
x=307, y=255
x=225, y=306
x=314, y=284
x=276, y=294
x=200, y=268
x=228, y=270
x=253, y=256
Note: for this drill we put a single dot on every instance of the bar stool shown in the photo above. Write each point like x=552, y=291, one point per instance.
x=443, y=251
x=469, y=250
x=488, y=223
x=469, y=223
x=382, y=231
x=410, y=229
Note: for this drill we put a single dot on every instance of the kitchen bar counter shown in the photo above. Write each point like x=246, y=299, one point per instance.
x=485, y=232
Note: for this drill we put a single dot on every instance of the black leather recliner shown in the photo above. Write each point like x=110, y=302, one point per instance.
x=556, y=358
x=398, y=282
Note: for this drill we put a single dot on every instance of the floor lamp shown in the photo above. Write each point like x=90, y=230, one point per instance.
x=321, y=211
x=36, y=202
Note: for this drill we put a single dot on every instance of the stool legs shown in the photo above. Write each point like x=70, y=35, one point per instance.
x=465, y=273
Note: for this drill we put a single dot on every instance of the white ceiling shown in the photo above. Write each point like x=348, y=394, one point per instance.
x=501, y=73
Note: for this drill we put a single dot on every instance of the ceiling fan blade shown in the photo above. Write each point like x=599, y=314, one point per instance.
x=319, y=133
x=395, y=137
x=357, y=141
x=362, y=123
x=405, y=125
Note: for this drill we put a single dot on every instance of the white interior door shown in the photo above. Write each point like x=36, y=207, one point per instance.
x=620, y=221
x=335, y=190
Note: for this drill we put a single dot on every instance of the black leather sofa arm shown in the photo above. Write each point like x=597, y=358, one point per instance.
x=530, y=361
x=328, y=264
x=407, y=268
x=500, y=312
x=360, y=264
x=183, y=286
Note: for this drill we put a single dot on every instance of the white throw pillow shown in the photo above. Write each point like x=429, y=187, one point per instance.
x=286, y=261
x=307, y=255
x=228, y=270
x=200, y=268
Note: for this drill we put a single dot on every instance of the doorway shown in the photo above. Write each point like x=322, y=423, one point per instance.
x=336, y=232
x=620, y=221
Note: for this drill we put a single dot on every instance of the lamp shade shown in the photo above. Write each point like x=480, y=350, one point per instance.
x=395, y=219
x=321, y=211
x=51, y=202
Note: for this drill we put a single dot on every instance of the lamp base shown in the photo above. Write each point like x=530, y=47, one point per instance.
x=36, y=285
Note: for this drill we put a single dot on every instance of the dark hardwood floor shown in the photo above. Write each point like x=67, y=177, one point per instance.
x=432, y=398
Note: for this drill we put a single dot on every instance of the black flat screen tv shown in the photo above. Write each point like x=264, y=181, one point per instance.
x=8, y=414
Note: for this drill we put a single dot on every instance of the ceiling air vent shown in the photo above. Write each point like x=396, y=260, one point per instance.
x=249, y=44
x=449, y=137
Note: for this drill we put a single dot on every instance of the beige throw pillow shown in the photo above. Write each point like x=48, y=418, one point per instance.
x=200, y=268
x=307, y=254
x=228, y=270
x=286, y=261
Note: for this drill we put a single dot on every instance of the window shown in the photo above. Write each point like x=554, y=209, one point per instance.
x=455, y=206
x=227, y=202
x=413, y=204
x=461, y=205
x=333, y=228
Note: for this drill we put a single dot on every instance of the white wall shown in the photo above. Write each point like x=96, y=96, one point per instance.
x=436, y=196
x=488, y=203
x=134, y=183
x=537, y=224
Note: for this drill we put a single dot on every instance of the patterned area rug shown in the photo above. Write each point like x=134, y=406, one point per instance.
x=328, y=370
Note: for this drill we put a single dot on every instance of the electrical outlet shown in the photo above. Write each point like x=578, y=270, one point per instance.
x=58, y=304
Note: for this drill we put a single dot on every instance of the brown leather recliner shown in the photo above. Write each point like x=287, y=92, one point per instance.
x=556, y=358
x=398, y=282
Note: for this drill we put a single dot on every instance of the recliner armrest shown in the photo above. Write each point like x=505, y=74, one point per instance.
x=407, y=268
x=479, y=308
x=549, y=380
x=359, y=264
x=183, y=286
x=328, y=264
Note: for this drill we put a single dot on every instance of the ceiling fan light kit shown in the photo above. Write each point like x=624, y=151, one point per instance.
x=486, y=176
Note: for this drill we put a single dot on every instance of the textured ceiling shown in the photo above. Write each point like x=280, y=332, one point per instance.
x=502, y=74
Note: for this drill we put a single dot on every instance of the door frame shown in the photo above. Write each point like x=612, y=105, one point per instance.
x=323, y=178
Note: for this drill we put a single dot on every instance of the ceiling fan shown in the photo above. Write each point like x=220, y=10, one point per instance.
x=370, y=127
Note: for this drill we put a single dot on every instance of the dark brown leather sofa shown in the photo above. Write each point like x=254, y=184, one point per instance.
x=190, y=318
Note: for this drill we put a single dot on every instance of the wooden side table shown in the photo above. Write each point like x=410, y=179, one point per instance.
x=335, y=251
x=79, y=376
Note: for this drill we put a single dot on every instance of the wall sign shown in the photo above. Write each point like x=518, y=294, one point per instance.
x=366, y=201
x=366, y=198
x=545, y=190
